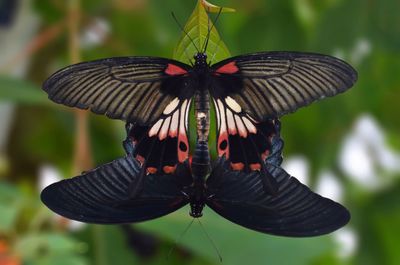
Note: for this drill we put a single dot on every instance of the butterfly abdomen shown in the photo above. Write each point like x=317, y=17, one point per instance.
x=202, y=113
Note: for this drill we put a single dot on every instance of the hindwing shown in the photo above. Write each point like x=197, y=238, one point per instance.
x=102, y=195
x=240, y=138
x=294, y=211
x=163, y=144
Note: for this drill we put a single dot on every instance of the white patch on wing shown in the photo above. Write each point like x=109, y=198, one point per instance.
x=218, y=114
x=156, y=127
x=164, y=129
x=249, y=125
x=173, y=131
x=233, y=104
x=222, y=116
x=186, y=116
x=240, y=126
x=182, y=118
x=231, y=122
x=171, y=106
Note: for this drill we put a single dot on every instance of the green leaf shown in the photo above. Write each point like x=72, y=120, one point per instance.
x=50, y=247
x=21, y=91
x=10, y=205
x=215, y=9
x=197, y=28
x=236, y=244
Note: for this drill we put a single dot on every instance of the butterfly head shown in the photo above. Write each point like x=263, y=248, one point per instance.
x=197, y=197
x=196, y=209
x=200, y=59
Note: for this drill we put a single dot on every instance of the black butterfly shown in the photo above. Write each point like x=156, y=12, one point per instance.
x=154, y=95
x=102, y=196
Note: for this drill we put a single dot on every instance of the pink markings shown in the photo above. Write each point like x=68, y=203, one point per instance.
x=175, y=70
x=169, y=169
x=229, y=68
x=140, y=159
x=237, y=166
x=255, y=166
x=265, y=155
x=151, y=170
x=183, y=147
x=223, y=145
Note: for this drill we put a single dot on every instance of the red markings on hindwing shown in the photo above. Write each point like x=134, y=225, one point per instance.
x=174, y=70
x=237, y=166
x=229, y=68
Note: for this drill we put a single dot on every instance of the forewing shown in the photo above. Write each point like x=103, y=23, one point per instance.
x=270, y=84
x=102, y=195
x=295, y=211
x=134, y=89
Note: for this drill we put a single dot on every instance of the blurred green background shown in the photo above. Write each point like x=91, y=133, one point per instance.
x=346, y=148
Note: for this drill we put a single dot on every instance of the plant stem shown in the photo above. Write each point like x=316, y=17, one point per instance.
x=82, y=157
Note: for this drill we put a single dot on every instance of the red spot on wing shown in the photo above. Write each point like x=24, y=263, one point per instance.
x=151, y=170
x=255, y=166
x=140, y=159
x=237, y=166
x=175, y=70
x=265, y=155
x=221, y=151
x=183, y=147
x=229, y=68
x=169, y=169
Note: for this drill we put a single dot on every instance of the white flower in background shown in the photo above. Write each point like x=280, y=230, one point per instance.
x=347, y=241
x=95, y=33
x=48, y=175
x=361, y=49
x=298, y=167
x=329, y=186
x=365, y=156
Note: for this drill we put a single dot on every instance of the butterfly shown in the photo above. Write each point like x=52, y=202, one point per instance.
x=102, y=196
x=157, y=176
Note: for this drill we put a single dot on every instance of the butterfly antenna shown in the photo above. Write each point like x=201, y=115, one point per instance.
x=215, y=50
x=179, y=239
x=210, y=29
x=210, y=239
x=182, y=28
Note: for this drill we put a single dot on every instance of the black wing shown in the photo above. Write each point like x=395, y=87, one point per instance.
x=102, y=195
x=295, y=211
x=270, y=84
x=134, y=89
x=164, y=144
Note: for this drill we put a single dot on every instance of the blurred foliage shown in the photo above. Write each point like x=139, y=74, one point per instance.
x=367, y=34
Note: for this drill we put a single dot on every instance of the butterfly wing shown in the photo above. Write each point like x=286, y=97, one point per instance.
x=250, y=92
x=295, y=211
x=102, y=195
x=164, y=144
x=269, y=84
x=152, y=94
x=134, y=89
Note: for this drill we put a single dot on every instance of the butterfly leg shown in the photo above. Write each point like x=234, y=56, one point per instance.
x=128, y=145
